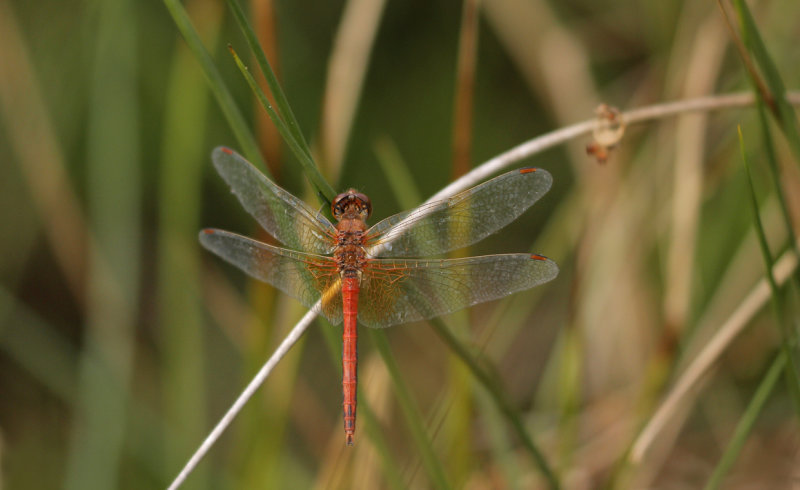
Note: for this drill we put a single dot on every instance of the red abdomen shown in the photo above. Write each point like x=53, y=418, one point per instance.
x=350, y=289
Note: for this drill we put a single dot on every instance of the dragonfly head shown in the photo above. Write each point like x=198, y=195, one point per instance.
x=351, y=204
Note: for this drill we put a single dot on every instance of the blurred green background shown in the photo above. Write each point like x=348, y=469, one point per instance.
x=122, y=342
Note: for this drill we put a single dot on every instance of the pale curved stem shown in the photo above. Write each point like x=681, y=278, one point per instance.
x=470, y=179
x=248, y=392
x=559, y=136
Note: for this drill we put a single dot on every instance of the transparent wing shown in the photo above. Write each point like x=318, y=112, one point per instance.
x=287, y=218
x=405, y=290
x=463, y=219
x=305, y=277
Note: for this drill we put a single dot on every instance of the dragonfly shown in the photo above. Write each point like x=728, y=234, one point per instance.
x=374, y=275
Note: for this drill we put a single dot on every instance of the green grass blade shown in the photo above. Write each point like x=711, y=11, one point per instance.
x=224, y=98
x=38, y=347
x=412, y=414
x=301, y=152
x=397, y=174
x=262, y=431
x=462, y=394
x=762, y=239
x=179, y=279
x=782, y=110
x=787, y=342
x=391, y=472
x=745, y=425
x=388, y=461
x=281, y=101
x=284, y=118
x=498, y=397
x=500, y=443
x=775, y=174
x=406, y=192
x=114, y=202
x=402, y=184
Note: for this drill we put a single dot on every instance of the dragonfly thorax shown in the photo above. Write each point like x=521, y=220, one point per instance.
x=349, y=253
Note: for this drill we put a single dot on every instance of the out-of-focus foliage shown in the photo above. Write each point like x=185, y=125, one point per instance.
x=122, y=342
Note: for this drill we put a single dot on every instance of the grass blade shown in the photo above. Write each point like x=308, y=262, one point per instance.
x=284, y=118
x=261, y=432
x=288, y=120
x=792, y=378
x=32, y=140
x=397, y=174
x=297, y=146
x=224, y=98
x=404, y=189
x=497, y=396
x=179, y=296
x=412, y=414
x=392, y=474
x=765, y=388
x=465, y=88
x=458, y=428
x=348, y=62
x=775, y=174
x=38, y=347
x=780, y=106
x=114, y=204
x=747, y=421
x=388, y=463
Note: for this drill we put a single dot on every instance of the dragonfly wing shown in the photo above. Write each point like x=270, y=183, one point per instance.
x=465, y=218
x=284, y=216
x=405, y=290
x=305, y=277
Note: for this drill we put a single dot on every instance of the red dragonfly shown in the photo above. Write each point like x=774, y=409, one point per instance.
x=349, y=271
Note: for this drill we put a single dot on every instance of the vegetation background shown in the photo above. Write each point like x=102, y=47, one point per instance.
x=122, y=342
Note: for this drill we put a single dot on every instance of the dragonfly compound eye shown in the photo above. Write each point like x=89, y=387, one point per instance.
x=366, y=205
x=339, y=203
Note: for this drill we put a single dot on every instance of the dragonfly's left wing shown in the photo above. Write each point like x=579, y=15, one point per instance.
x=405, y=290
x=287, y=218
x=465, y=218
x=306, y=277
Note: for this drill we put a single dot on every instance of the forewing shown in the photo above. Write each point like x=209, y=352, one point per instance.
x=463, y=219
x=305, y=277
x=405, y=290
x=287, y=218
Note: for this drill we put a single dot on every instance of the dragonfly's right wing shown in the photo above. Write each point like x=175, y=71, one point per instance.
x=287, y=218
x=397, y=291
x=464, y=219
x=305, y=277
